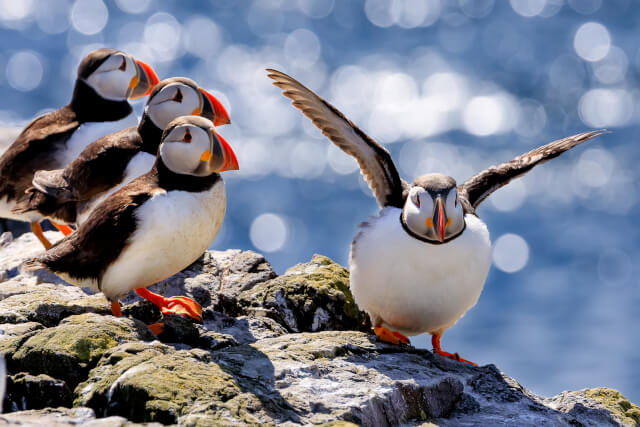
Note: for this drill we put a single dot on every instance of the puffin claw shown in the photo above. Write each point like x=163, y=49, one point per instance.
x=156, y=328
x=386, y=335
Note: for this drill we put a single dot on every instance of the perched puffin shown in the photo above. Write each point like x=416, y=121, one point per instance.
x=422, y=262
x=68, y=195
x=98, y=107
x=130, y=241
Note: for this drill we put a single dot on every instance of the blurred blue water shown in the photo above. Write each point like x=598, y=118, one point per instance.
x=448, y=86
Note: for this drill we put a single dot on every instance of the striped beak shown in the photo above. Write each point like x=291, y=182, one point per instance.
x=212, y=109
x=144, y=81
x=439, y=219
x=222, y=156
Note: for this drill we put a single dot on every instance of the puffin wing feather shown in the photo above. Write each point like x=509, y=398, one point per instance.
x=480, y=186
x=374, y=160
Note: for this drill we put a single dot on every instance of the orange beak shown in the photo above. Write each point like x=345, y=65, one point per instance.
x=230, y=162
x=440, y=219
x=144, y=81
x=213, y=110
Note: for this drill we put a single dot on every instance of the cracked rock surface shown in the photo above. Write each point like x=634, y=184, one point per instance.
x=272, y=350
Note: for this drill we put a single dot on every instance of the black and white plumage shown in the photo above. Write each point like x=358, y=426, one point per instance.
x=156, y=225
x=106, y=79
x=69, y=195
x=422, y=263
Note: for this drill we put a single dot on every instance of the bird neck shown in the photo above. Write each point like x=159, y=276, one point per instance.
x=151, y=135
x=91, y=107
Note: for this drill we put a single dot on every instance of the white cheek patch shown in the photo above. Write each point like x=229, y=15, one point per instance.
x=180, y=157
x=164, y=113
x=112, y=85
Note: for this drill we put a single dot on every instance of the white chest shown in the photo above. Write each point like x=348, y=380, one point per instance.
x=412, y=286
x=89, y=132
x=139, y=164
x=173, y=230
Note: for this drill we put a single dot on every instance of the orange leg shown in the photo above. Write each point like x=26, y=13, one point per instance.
x=64, y=229
x=115, y=309
x=435, y=342
x=386, y=335
x=37, y=230
x=174, y=305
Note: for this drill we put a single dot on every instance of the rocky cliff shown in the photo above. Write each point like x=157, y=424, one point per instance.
x=291, y=349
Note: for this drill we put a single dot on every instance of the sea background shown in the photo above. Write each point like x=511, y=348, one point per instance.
x=446, y=86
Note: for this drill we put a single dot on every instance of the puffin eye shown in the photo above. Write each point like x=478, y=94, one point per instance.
x=123, y=66
x=187, y=136
x=178, y=96
x=455, y=204
x=417, y=200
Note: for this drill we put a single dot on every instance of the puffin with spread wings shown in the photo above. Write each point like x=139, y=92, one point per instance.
x=422, y=262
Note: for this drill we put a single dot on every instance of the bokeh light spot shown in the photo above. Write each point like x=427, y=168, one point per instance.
x=528, y=8
x=53, y=19
x=605, y=107
x=483, y=116
x=162, y=34
x=24, y=71
x=510, y=253
x=510, y=197
x=592, y=41
x=302, y=48
x=133, y=6
x=89, y=17
x=268, y=232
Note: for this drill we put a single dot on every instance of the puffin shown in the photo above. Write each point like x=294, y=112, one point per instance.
x=106, y=78
x=422, y=262
x=130, y=241
x=69, y=195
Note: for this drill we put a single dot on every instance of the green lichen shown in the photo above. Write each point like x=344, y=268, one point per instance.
x=616, y=403
x=155, y=382
x=68, y=350
x=306, y=291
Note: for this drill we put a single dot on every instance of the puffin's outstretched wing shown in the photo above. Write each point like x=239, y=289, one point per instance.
x=374, y=160
x=480, y=186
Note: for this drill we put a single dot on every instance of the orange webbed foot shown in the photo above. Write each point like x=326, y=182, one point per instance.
x=386, y=335
x=183, y=306
x=435, y=341
x=156, y=328
x=63, y=228
x=173, y=305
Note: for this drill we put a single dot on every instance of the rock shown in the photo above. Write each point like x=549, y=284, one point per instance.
x=62, y=417
x=598, y=406
x=48, y=303
x=12, y=336
x=271, y=350
x=155, y=382
x=312, y=297
x=69, y=350
x=244, y=329
x=15, y=251
x=178, y=329
x=216, y=278
x=25, y=391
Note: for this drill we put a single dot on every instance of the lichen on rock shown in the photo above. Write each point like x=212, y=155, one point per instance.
x=68, y=351
x=312, y=297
